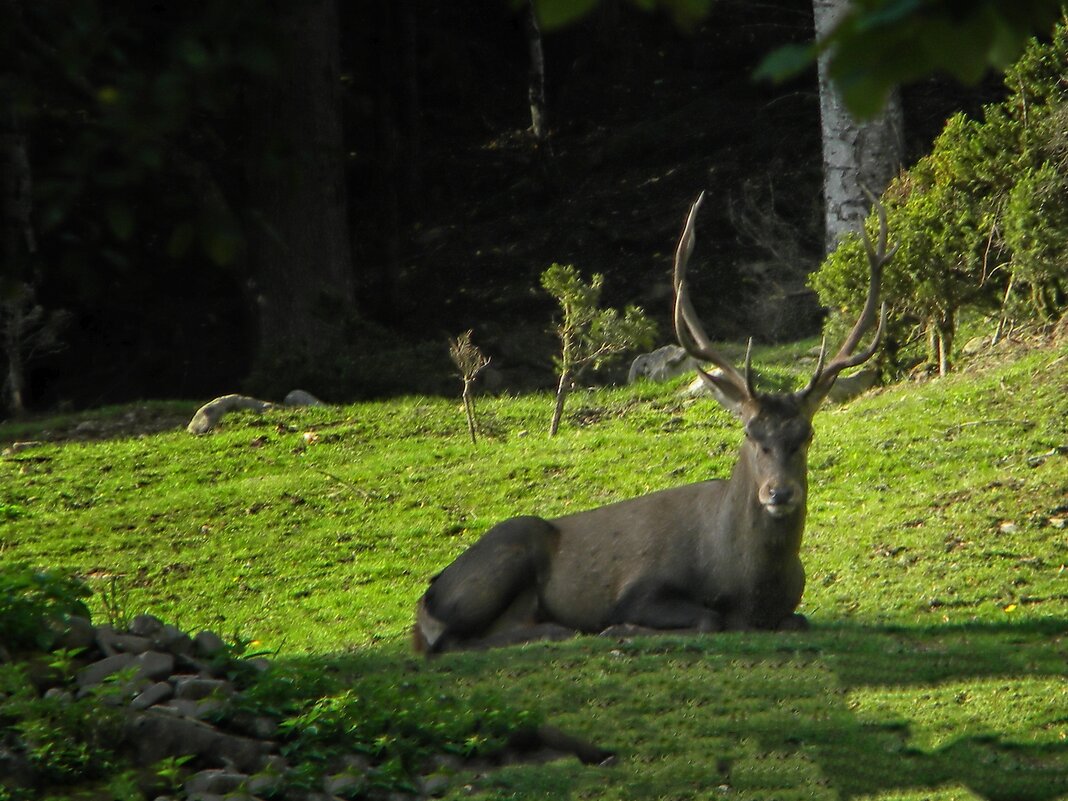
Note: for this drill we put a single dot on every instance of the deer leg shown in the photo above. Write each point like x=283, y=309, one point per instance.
x=520, y=635
x=491, y=587
x=654, y=606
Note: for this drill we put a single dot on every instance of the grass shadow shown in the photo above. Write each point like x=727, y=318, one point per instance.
x=966, y=704
x=842, y=711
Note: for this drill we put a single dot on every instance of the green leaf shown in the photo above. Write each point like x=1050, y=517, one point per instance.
x=786, y=62
x=883, y=43
x=121, y=221
x=193, y=52
x=557, y=13
x=687, y=13
x=889, y=12
x=221, y=247
x=181, y=238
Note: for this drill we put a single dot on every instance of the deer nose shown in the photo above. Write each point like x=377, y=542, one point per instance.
x=780, y=496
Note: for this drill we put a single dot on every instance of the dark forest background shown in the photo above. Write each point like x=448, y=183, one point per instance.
x=264, y=195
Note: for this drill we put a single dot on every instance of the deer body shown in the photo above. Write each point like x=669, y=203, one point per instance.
x=718, y=554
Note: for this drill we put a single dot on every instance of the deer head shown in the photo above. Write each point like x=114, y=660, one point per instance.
x=778, y=426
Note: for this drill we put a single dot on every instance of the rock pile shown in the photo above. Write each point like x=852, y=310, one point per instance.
x=176, y=701
x=173, y=690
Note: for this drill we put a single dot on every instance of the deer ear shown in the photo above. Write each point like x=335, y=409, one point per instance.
x=730, y=395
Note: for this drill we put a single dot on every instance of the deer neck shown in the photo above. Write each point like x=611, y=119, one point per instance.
x=747, y=522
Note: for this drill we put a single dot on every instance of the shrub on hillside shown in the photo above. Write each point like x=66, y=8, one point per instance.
x=981, y=222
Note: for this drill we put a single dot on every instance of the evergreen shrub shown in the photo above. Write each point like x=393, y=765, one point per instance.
x=981, y=222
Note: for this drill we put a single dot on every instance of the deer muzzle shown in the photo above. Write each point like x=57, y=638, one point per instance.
x=780, y=498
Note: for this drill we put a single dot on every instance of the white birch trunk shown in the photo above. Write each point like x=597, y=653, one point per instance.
x=536, y=89
x=854, y=153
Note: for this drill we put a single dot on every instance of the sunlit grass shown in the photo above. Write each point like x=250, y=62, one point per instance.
x=935, y=552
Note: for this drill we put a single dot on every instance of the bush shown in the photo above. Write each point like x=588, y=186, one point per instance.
x=31, y=601
x=1036, y=232
x=589, y=335
x=981, y=222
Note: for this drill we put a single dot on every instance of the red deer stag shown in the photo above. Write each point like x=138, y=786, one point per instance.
x=719, y=554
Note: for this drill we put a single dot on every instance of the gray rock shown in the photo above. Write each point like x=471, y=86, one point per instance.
x=345, y=783
x=105, y=634
x=259, y=726
x=275, y=763
x=208, y=415
x=16, y=769
x=185, y=708
x=259, y=663
x=207, y=644
x=447, y=763
x=206, y=670
x=219, y=781
x=173, y=640
x=155, y=694
x=298, y=397
x=848, y=387
x=661, y=365
x=354, y=763
x=194, y=688
x=78, y=633
x=157, y=735
x=434, y=785
x=267, y=782
x=155, y=665
x=127, y=643
x=146, y=626
x=94, y=673
x=976, y=345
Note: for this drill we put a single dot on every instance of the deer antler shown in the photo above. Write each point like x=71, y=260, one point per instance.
x=688, y=329
x=824, y=377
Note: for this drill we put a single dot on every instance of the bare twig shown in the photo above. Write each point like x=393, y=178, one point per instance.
x=956, y=429
x=470, y=361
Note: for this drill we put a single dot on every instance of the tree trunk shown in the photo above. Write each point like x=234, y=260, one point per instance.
x=947, y=325
x=15, y=382
x=469, y=409
x=412, y=105
x=18, y=244
x=299, y=239
x=855, y=153
x=562, y=390
x=536, y=90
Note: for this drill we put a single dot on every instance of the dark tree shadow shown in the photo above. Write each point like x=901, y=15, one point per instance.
x=856, y=754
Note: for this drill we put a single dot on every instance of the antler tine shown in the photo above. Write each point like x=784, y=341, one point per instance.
x=878, y=256
x=688, y=329
x=877, y=259
x=749, y=369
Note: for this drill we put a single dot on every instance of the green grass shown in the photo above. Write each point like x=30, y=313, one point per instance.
x=937, y=575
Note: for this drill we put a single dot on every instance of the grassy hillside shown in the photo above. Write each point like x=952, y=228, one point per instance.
x=936, y=559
